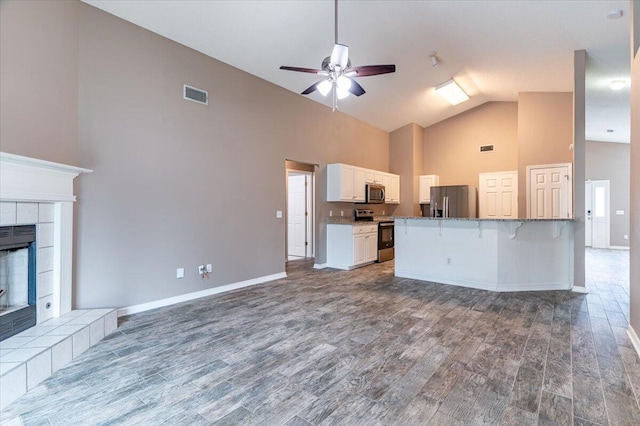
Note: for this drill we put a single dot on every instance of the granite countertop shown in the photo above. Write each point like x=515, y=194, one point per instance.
x=344, y=220
x=482, y=220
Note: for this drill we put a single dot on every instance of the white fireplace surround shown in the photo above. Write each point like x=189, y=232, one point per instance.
x=24, y=179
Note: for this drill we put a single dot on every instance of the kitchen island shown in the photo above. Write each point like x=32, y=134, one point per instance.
x=487, y=254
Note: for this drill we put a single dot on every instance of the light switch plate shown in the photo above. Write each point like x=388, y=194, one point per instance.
x=279, y=214
x=180, y=273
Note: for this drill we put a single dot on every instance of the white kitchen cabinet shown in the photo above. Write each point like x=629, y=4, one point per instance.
x=392, y=188
x=374, y=176
x=350, y=246
x=426, y=182
x=345, y=183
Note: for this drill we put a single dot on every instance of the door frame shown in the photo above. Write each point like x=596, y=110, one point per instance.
x=310, y=208
x=570, y=188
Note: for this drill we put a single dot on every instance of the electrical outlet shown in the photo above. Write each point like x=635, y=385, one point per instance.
x=626, y=237
x=201, y=269
x=341, y=212
x=330, y=213
x=209, y=267
x=180, y=273
x=278, y=214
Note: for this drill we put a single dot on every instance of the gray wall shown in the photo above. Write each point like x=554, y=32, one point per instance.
x=39, y=79
x=611, y=161
x=177, y=184
x=635, y=169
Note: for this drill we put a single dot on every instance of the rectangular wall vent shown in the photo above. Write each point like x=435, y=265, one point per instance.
x=486, y=148
x=195, y=95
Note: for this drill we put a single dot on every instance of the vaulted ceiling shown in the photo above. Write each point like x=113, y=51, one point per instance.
x=493, y=49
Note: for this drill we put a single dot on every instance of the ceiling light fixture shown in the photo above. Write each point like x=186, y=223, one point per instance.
x=617, y=84
x=615, y=14
x=434, y=58
x=452, y=92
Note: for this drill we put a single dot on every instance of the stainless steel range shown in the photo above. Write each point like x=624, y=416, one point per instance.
x=385, y=234
x=385, y=240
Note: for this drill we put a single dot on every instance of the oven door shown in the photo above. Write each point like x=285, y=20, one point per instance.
x=385, y=235
x=385, y=241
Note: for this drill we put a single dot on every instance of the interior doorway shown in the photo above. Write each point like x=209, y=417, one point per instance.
x=597, y=213
x=300, y=211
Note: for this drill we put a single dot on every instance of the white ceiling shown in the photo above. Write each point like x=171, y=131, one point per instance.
x=494, y=49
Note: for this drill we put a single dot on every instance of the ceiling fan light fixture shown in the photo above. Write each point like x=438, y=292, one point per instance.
x=617, y=84
x=324, y=87
x=344, y=83
x=452, y=92
x=341, y=93
x=340, y=55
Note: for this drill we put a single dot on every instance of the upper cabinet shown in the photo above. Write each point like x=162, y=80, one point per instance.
x=347, y=183
x=426, y=182
x=391, y=183
x=374, y=176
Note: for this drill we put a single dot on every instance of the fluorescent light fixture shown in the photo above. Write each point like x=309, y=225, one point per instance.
x=617, y=84
x=452, y=92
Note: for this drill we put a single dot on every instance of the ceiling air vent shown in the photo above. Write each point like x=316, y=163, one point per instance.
x=195, y=95
x=486, y=148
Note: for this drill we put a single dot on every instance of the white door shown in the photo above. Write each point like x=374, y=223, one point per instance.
x=499, y=195
x=588, y=212
x=296, y=215
x=549, y=191
x=600, y=214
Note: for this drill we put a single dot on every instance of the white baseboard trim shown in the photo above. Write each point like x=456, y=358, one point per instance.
x=197, y=295
x=619, y=247
x=634, y=339
x=578, y=289
x=319, y=265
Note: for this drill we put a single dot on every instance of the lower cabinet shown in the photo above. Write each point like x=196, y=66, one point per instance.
x=350, y=246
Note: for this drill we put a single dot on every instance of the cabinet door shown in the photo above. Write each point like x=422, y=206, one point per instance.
x=386, y=182
x=378, y=177
x=426, y=182
x=395, y=189
x=359, y=249
x=370, y=176
x=372, y=247
x=358, y=184
x=346, y=188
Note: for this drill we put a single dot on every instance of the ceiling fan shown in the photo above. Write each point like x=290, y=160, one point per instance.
x=339, y=73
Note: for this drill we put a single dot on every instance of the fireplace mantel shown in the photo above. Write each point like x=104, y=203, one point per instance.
x=24, y=179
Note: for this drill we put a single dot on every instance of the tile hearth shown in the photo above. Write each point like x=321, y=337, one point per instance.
x=30, y=357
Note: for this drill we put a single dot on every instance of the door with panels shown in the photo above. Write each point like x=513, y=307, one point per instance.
x=498, y=195
x=549, y=191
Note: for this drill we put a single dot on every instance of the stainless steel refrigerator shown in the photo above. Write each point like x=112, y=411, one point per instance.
x=451, y=201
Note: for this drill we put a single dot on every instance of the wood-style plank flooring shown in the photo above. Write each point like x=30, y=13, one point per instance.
x=360, y=347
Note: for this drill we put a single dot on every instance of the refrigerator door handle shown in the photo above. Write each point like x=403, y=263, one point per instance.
x=445, y=212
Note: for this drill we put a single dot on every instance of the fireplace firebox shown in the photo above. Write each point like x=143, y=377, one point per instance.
x=17, y=279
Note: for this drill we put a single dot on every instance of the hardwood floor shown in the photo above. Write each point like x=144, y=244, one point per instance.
x=360, y=347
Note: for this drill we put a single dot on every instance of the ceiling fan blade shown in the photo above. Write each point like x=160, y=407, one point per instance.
x=356, y=89
x=312, y=88
x=298, y=69
x=367, y=70
x=340, y=55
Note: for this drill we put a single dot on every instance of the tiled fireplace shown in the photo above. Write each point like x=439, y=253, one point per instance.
x=37, y=195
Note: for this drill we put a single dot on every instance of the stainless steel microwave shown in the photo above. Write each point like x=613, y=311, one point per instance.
x=374, y=194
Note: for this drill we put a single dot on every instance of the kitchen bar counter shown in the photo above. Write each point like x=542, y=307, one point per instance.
x=344, y=220
x=475, y=219
x=488, y=254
